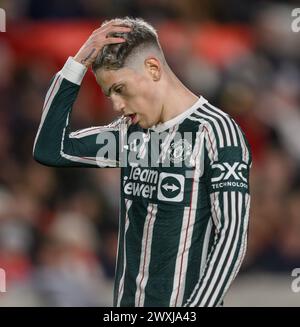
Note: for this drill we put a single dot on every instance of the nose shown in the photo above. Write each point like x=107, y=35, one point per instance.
x=118, y=104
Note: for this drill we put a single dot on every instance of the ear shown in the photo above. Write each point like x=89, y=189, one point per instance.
x=153, y=67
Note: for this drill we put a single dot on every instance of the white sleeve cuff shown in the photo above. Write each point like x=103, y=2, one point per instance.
x=73, y=71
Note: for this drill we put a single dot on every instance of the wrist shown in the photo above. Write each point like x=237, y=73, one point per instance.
x=73, y=71
x=81, y=61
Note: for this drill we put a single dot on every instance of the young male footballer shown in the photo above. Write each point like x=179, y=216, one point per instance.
x=184, y=163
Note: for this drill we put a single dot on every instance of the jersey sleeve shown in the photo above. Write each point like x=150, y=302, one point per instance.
x=56, y=145
x=227, y=177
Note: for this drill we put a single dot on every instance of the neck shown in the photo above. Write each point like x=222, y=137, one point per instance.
x=177, y=100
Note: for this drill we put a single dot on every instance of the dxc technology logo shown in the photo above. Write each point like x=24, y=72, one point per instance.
x=227, y=170
x=2, y=20
x=227, y=175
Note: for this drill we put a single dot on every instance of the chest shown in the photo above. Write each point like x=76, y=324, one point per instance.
x=162, y=168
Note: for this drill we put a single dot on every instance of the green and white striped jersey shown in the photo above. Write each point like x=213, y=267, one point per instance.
x=185, y=199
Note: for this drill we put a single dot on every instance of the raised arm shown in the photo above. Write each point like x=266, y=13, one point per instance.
x=54, y=144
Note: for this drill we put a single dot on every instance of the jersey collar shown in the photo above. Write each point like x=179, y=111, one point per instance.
x=178, y=119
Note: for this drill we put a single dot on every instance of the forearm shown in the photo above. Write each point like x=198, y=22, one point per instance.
x=58, y=104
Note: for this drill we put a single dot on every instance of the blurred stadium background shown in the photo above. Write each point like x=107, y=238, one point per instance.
x=58, y=227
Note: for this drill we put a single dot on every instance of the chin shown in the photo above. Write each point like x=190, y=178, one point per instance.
x=143, y=124
x=148, y=124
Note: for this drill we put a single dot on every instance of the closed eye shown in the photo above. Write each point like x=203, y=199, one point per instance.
x=118, y=89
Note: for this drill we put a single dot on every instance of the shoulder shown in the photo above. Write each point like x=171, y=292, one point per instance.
x=220, y=124
x=224, y=137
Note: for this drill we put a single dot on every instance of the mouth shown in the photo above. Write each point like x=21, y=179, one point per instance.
x=133, y=118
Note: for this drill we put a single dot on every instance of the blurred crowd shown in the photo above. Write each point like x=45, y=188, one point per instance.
x=58, y=227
